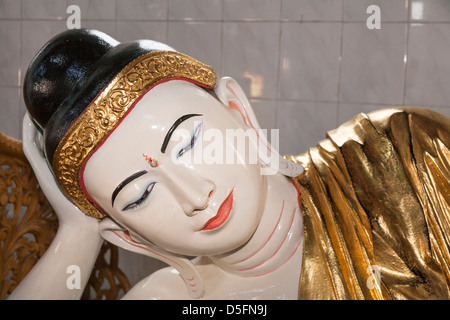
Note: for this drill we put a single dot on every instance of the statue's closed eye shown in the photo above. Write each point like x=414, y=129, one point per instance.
x=141, y=199
x=192, y=142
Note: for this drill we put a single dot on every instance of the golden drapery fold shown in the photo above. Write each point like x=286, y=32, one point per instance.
x=375, y=197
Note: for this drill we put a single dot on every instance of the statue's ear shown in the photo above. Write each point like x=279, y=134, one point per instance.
x=121, y=237
x=230, y=93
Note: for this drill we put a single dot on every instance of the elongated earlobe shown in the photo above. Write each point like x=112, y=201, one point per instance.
x=230, y=93
x=121, y=237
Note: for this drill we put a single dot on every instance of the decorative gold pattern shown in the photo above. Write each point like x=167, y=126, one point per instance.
x=376, y=209
x=101, y=117
x=28, y=225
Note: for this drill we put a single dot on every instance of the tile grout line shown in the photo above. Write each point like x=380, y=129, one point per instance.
x=167, y=21
x=116, y=15
x=20, y=71
x=279, y=71
x=341, y=59
x=233, y=20
x=405, y=72
x=222, y=30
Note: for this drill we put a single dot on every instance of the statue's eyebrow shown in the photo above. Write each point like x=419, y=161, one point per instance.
x=124, y=183
x=173, y=127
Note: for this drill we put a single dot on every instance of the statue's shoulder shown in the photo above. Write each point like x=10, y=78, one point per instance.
x=414, y=115
x=422, y=125
x=164, y=284
x=378, y=185
x=385, y=121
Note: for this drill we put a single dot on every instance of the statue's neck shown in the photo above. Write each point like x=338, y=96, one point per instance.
x=277, y=238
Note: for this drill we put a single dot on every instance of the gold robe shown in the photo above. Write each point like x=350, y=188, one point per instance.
x=375, y=197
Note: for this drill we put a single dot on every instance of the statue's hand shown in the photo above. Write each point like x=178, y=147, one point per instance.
x=67, y=212
x=77, y=242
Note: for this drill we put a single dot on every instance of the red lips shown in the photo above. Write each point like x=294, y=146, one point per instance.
x=222, y=214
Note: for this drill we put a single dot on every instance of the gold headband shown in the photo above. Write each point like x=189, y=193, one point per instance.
x=106, y=111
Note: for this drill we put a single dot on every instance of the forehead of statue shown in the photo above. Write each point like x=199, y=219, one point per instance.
x=151, y=118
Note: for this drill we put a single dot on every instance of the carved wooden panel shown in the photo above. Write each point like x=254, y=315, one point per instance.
x=28, y=225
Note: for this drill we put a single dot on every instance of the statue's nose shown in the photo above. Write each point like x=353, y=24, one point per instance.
x=190, y=189
x=194, y=202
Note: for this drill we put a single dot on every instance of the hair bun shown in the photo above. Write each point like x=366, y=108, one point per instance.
x=63, y=63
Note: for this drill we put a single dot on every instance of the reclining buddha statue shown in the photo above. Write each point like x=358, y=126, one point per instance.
x=131, y=143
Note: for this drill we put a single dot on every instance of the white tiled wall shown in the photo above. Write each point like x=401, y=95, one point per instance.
x=307, y=65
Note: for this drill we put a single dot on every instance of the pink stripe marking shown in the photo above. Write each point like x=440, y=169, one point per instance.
x=296, y=248
x=278, y=222
x=292, y=223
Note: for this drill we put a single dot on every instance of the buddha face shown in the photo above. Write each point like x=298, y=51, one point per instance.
x=146, y=178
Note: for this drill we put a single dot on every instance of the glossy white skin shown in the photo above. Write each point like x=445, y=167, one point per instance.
x=179, y=205
x=268, y=243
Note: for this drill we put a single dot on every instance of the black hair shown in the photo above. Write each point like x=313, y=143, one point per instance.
x=69, y=72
